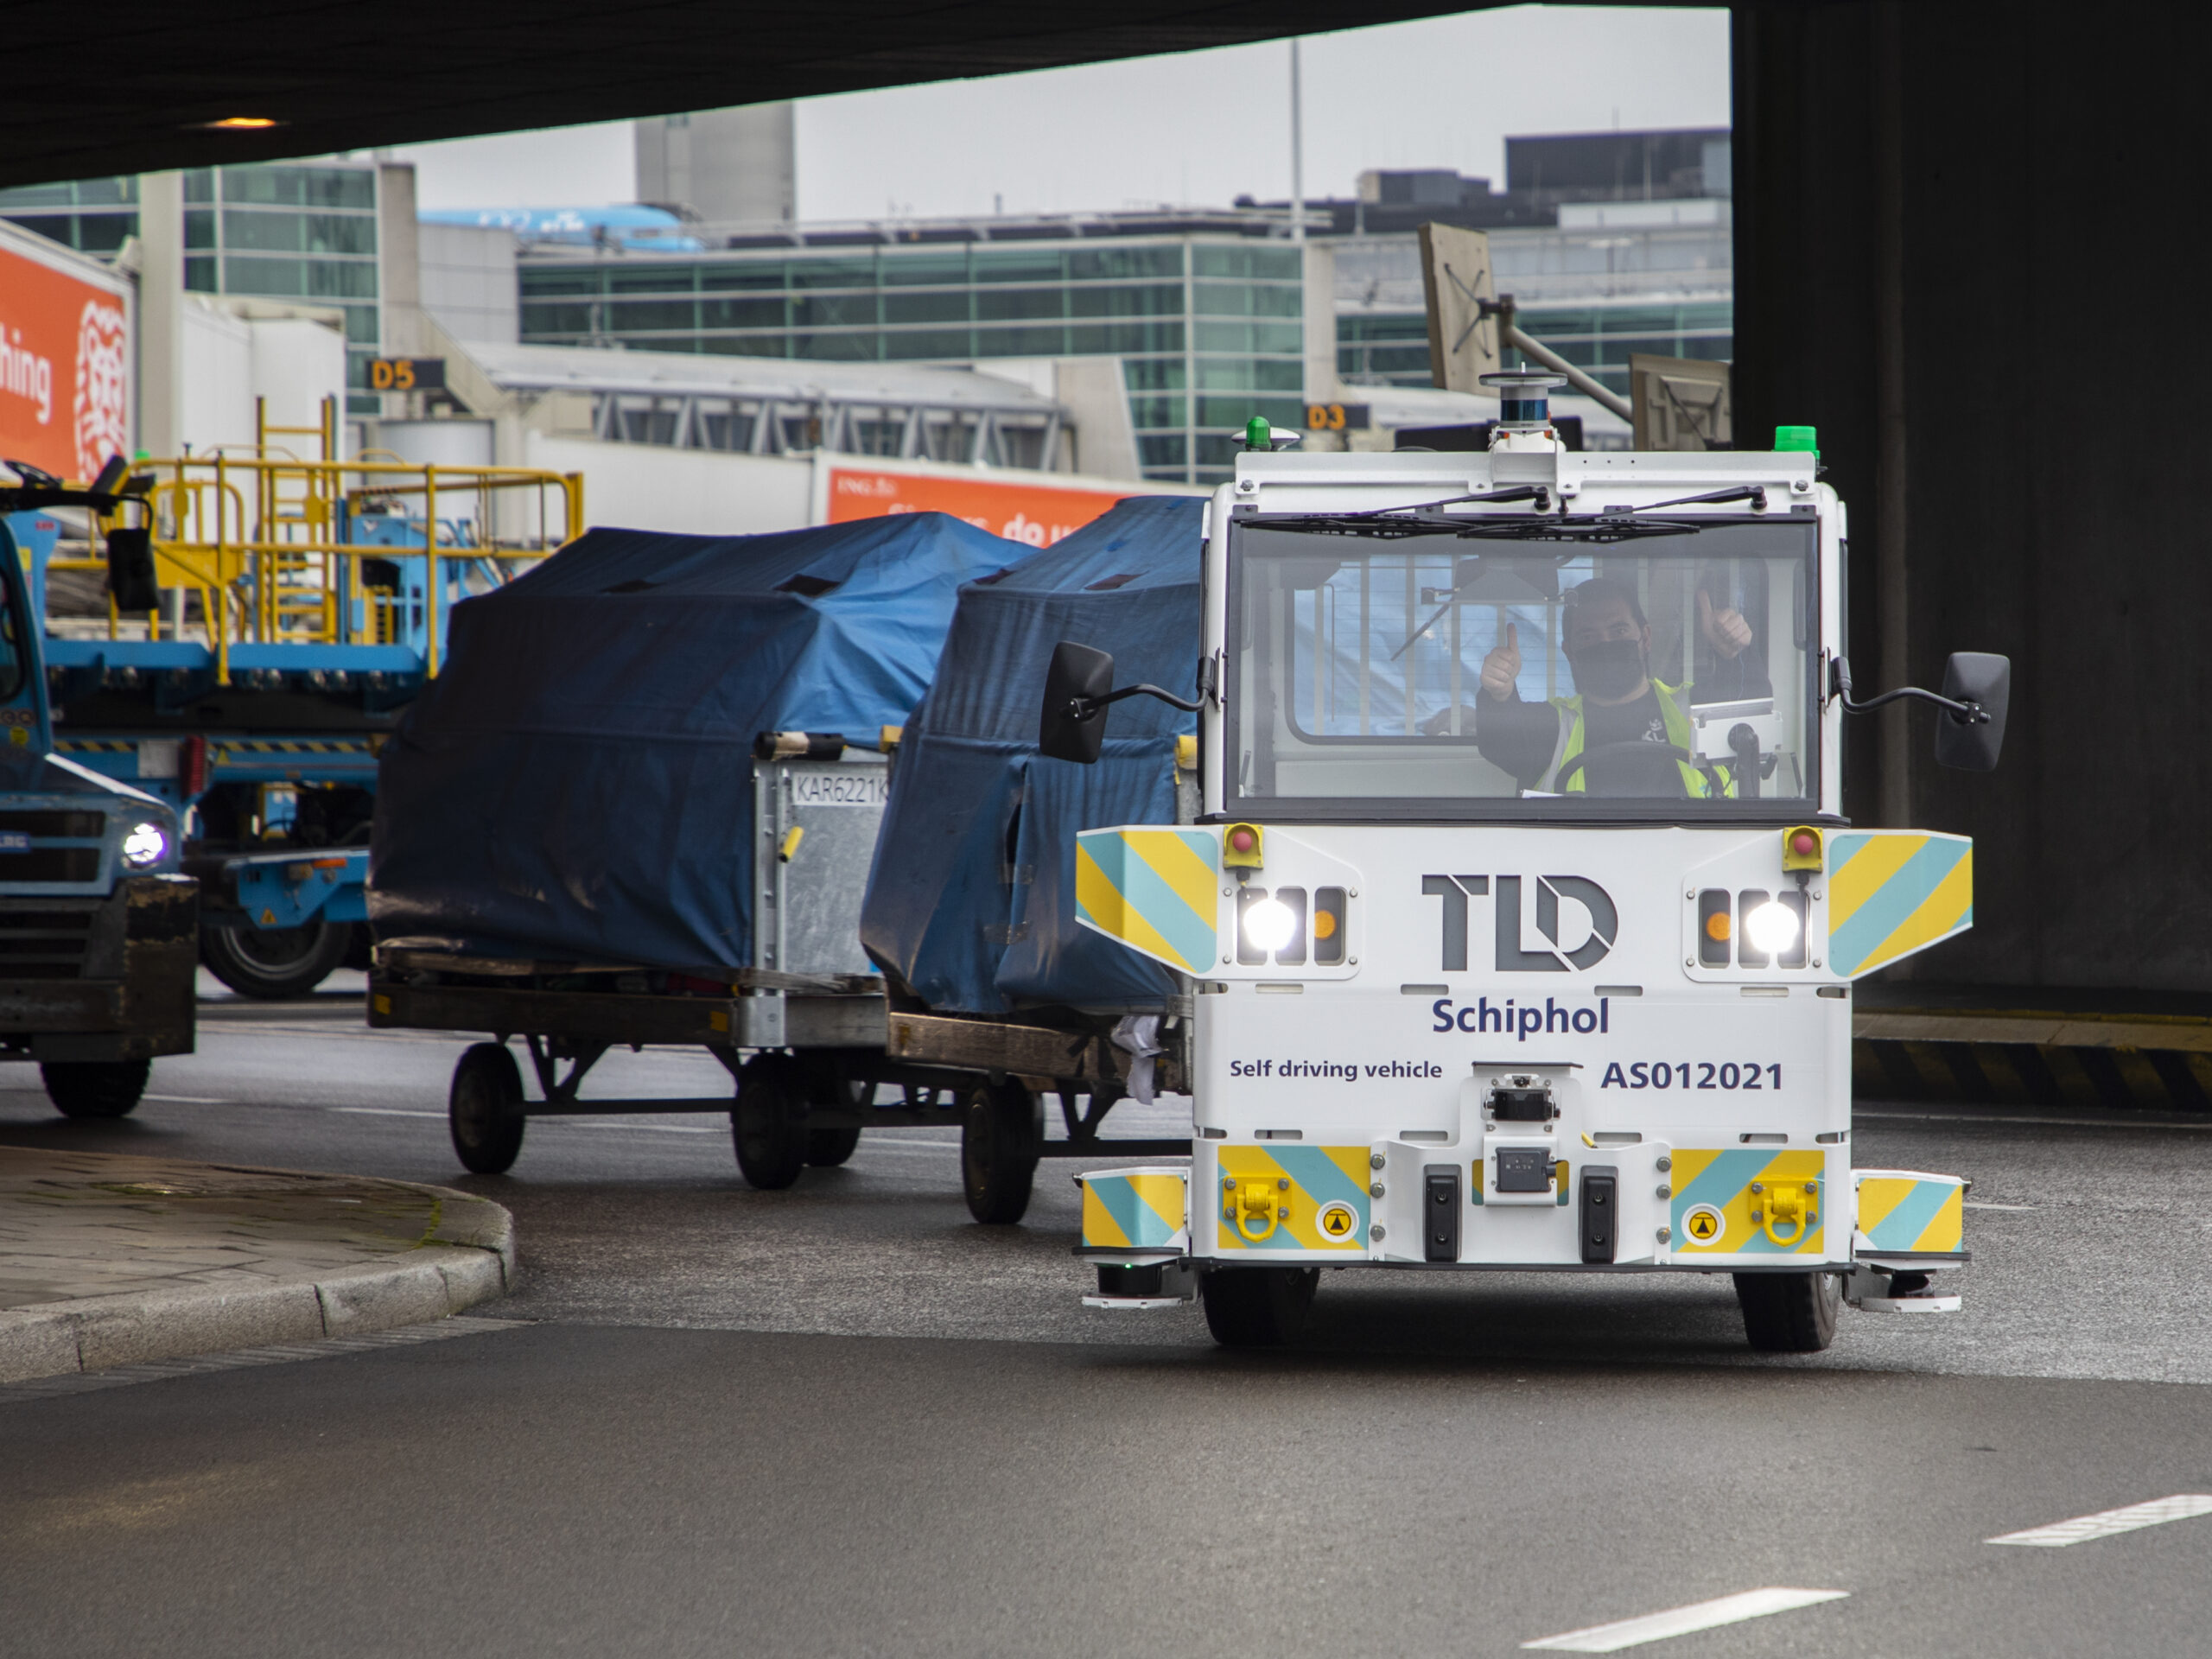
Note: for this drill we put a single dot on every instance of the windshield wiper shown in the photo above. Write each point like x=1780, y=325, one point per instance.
x=1586, y=527
x=1488, y=527
x=1390, y=521
x=1734, y=493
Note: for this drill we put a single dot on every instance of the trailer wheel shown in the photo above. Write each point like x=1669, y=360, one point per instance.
x=999, y=1137
x=274, y=963
x=1257, y=1307
x=827, y=1148
x=95, y=1088
x=1789, y=1312
x=768, y=1123
x=484, y=1110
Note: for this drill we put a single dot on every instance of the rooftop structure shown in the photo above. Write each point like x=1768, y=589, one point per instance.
x=1557, y=168
x=736, y=166
x=764, y=407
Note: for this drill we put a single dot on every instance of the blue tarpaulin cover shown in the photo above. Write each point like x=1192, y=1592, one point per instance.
x=577, y=783
x=971, y=901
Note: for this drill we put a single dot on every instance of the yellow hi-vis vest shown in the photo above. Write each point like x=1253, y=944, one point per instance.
x=1672, y=711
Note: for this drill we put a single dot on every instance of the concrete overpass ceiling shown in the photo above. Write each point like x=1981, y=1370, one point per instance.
x=131, y=88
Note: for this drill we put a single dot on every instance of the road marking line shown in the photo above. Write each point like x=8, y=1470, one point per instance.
x=1682, y=1621
x=186, y=1100
x=382, y=1111
x=2103, y=1524
x=1971, y=1204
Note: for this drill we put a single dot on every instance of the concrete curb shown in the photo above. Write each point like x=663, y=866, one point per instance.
x=469, y=1258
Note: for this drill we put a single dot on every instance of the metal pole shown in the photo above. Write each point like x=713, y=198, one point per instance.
x=1537, y=351
x=1296, y=152
x=1890, y=569
x=431, y=548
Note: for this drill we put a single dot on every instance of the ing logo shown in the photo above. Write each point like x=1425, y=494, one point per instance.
x=100, y=409
x=1513, y=952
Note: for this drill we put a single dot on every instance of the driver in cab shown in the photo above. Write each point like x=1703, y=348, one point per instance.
x=1624, y=732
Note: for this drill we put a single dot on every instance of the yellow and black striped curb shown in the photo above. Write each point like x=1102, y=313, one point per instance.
x=220, y=749
x=2030, y=1058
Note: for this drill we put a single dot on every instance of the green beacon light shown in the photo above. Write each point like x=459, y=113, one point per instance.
x=1805, y=438
x=1258, y=434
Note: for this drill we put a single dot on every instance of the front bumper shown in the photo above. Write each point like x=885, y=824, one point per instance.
x=1704, y=1211
x=105, y=979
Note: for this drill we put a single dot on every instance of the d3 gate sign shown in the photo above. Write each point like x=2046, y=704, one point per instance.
x=65, y=361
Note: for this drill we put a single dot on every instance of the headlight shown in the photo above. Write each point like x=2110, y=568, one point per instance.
x=146, y=845
x=1772, y=927
x=1269, y=924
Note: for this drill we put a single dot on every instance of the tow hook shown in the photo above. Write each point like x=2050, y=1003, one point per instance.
x=1259, y=1208
x=1794, y=1205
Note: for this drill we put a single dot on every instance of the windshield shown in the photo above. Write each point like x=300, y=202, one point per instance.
x=1666, y=675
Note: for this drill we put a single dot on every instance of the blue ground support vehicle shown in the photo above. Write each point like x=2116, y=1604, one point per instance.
x=99, y=924
x=242, y=650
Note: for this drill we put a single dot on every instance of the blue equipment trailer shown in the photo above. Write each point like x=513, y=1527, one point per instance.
x=265, y=622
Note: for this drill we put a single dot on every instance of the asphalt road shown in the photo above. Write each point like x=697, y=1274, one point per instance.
x=846, y=1420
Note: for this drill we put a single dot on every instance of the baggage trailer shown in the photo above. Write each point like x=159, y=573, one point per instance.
x=808, y=1033
x=1522, y=916
x=586, y=839
x=809, y=1055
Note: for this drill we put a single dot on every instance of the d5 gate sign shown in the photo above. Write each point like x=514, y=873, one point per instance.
x=65, y=361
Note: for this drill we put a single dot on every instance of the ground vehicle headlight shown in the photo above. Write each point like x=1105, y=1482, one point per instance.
x=145, y=845
x=1772, y=928
x=1269, y=924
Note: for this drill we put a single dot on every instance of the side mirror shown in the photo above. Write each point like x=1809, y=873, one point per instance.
x=1073, y=724
x=1985, y=679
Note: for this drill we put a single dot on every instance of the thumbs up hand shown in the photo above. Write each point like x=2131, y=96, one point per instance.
x=1724, y=630
x=1503, y=667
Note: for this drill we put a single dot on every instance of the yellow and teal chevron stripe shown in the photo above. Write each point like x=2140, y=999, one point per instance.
x=1152, y=889
x=1134, y=1209
x=1895, y=892
x=1902, y=1213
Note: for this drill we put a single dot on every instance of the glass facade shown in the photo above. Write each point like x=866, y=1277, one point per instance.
x=1210, y=330
x=90, y=215
x=1382, y=348
x=280, y=231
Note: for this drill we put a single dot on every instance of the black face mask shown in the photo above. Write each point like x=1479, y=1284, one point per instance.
x=1607, y=668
